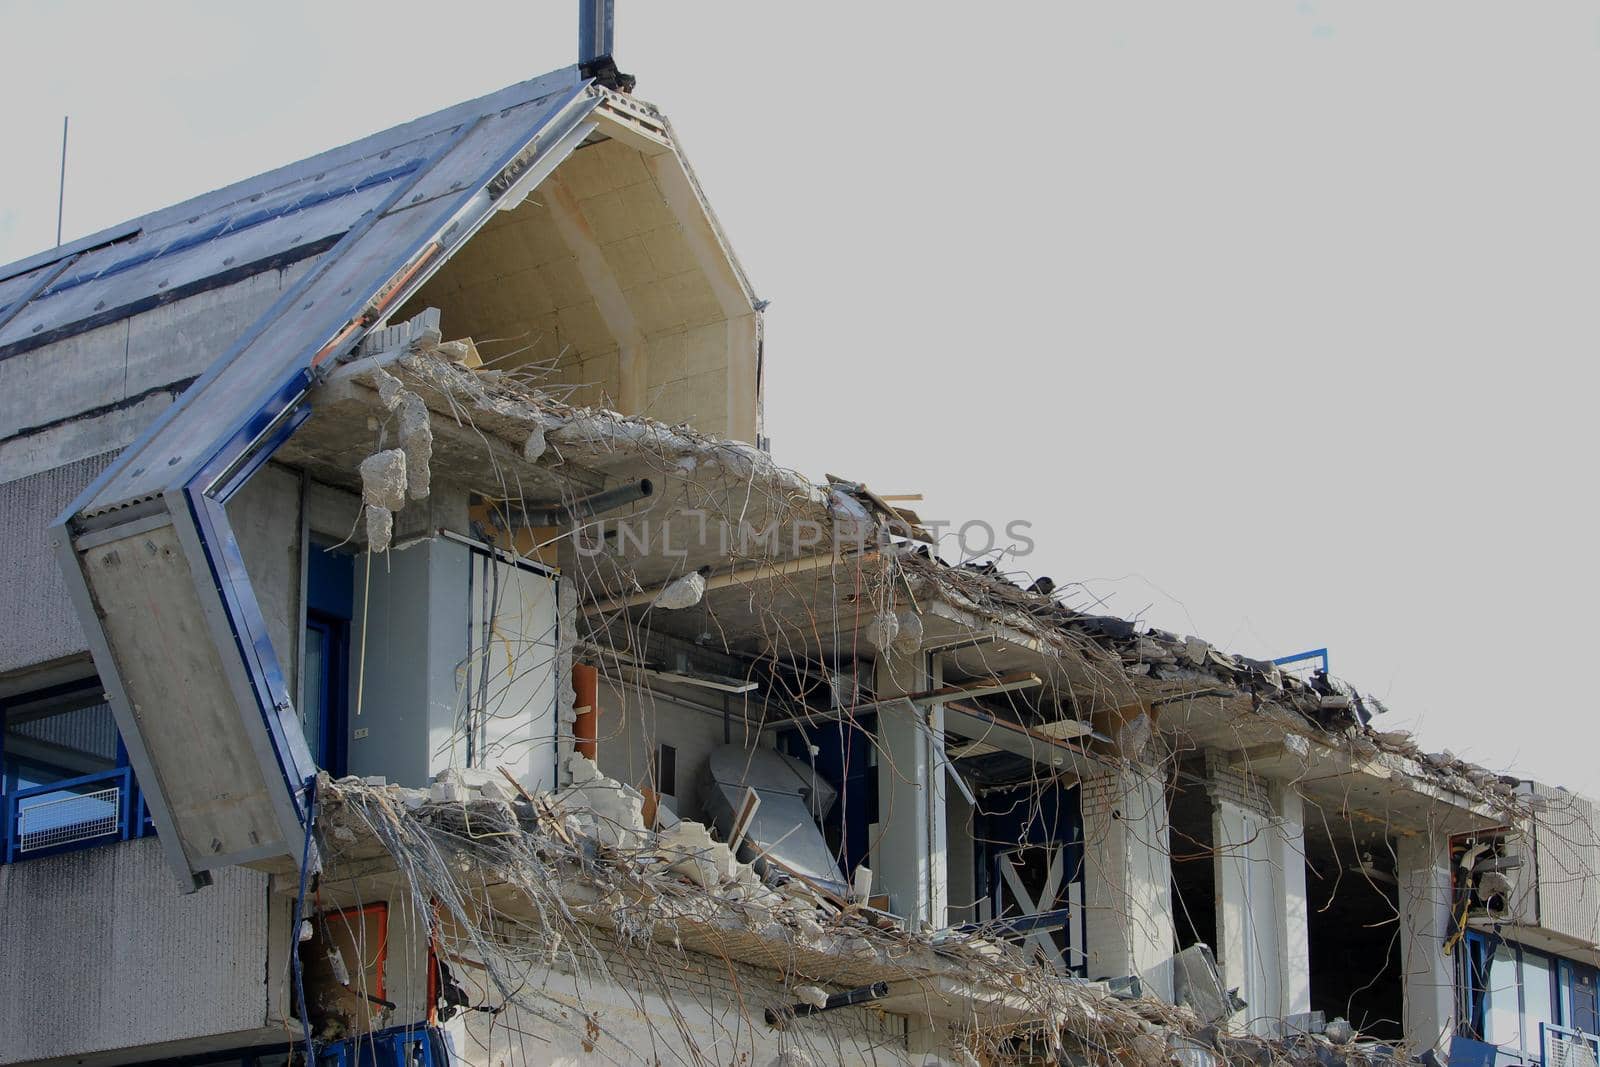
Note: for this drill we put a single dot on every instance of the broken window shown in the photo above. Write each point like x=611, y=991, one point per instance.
x=1028, y=851
x=1353, y=927
x=1193, y=847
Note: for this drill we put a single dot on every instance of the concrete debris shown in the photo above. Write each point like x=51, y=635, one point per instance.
x=881, y=630
x=689, y=850
x=463, y=352
x=684, y=592
x=380, y=528
x=534, y=446
x=792, y=1057
x=383, y=479
x=416, y=441
x=815, y=996
x=908, y=641
x=389, y=388
x=601, y=808
x=1339, y=1031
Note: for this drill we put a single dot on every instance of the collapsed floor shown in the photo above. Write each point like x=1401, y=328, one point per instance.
x=573, y=883
x=514, y=884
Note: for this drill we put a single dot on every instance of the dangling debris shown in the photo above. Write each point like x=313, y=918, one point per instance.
x=416, y=440
x=881, y=630
x=380, y=528
x=534, y=446
x=908, y=641
x=683, y=592
x=383, y=479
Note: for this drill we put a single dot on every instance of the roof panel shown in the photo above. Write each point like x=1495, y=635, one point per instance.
x=120, y=270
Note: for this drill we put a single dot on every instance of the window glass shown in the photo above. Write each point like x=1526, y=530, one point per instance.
x=1502, y=1021
x=65, y=737
x=314, y=712
x=1537, y=999
x=56, y=738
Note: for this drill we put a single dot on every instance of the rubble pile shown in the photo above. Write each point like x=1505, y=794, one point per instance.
x=582, y=858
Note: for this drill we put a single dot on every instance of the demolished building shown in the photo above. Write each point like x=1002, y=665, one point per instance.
x=415, y=654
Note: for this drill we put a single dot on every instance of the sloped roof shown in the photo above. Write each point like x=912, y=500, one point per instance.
x=270, y=219
x=208, y=720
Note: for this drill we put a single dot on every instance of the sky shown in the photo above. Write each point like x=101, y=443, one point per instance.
x=1275, y=320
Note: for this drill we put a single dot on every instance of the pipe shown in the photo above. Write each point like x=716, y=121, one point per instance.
x=596, y=30
x=561, y=514
x=586, y=699
x=757, y=573
x=866, y=994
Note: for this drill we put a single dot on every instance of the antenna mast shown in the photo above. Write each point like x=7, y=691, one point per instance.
x=61, y=196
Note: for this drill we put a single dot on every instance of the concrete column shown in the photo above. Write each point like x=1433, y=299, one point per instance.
x=1291, y=842
x=1427, y=974
x=1128, y=875
x=910, y=860
x=1250, y=913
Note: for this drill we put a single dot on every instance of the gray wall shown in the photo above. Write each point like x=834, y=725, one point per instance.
x=1567, y=855
x=106, y=953
x=414, y=639
x=635, y=722
x=39, y=624
x=97, y=391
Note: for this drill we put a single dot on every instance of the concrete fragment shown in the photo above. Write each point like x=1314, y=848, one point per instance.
x=534, y=446
x=908, y=641
x=812, y=995
x=380, y=528
x=690, y=851
x=791, y=1057
x=389, y=388
x=416, y=440
x=383, y=479
x=881, y=630
x=446, y=788
x=600, y=807
x=684, y=592
x=463, y=351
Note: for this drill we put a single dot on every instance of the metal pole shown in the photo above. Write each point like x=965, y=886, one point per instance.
x=596, y=21
x=61, y=198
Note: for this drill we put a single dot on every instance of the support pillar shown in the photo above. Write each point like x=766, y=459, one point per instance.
x=1427, y=974
x=1291, y=842
x=910, y=859
x=1128, y=875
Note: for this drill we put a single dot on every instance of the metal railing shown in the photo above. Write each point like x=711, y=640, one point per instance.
x=69, y=814
x=1562, y=1046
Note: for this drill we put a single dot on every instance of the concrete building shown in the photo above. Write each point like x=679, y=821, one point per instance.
x=414, y=654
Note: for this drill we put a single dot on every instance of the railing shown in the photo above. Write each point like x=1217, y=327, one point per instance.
x=1561, y=1046
x=74, y=813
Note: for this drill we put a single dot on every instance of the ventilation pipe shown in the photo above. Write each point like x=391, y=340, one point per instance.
x=578, y=510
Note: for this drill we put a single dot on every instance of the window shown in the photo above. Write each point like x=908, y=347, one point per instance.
x=1513, y=992
x=325, y=667
x=667, y=771
x=64, y=775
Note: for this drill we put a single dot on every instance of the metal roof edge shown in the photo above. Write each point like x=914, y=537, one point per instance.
x=531, y=89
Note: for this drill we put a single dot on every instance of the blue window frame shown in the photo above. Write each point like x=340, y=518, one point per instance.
x=65, y=782
x=1512, y=994
x=399, y=1046
x=325, y=667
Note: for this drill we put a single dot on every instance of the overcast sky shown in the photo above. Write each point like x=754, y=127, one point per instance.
x=1276, y=320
